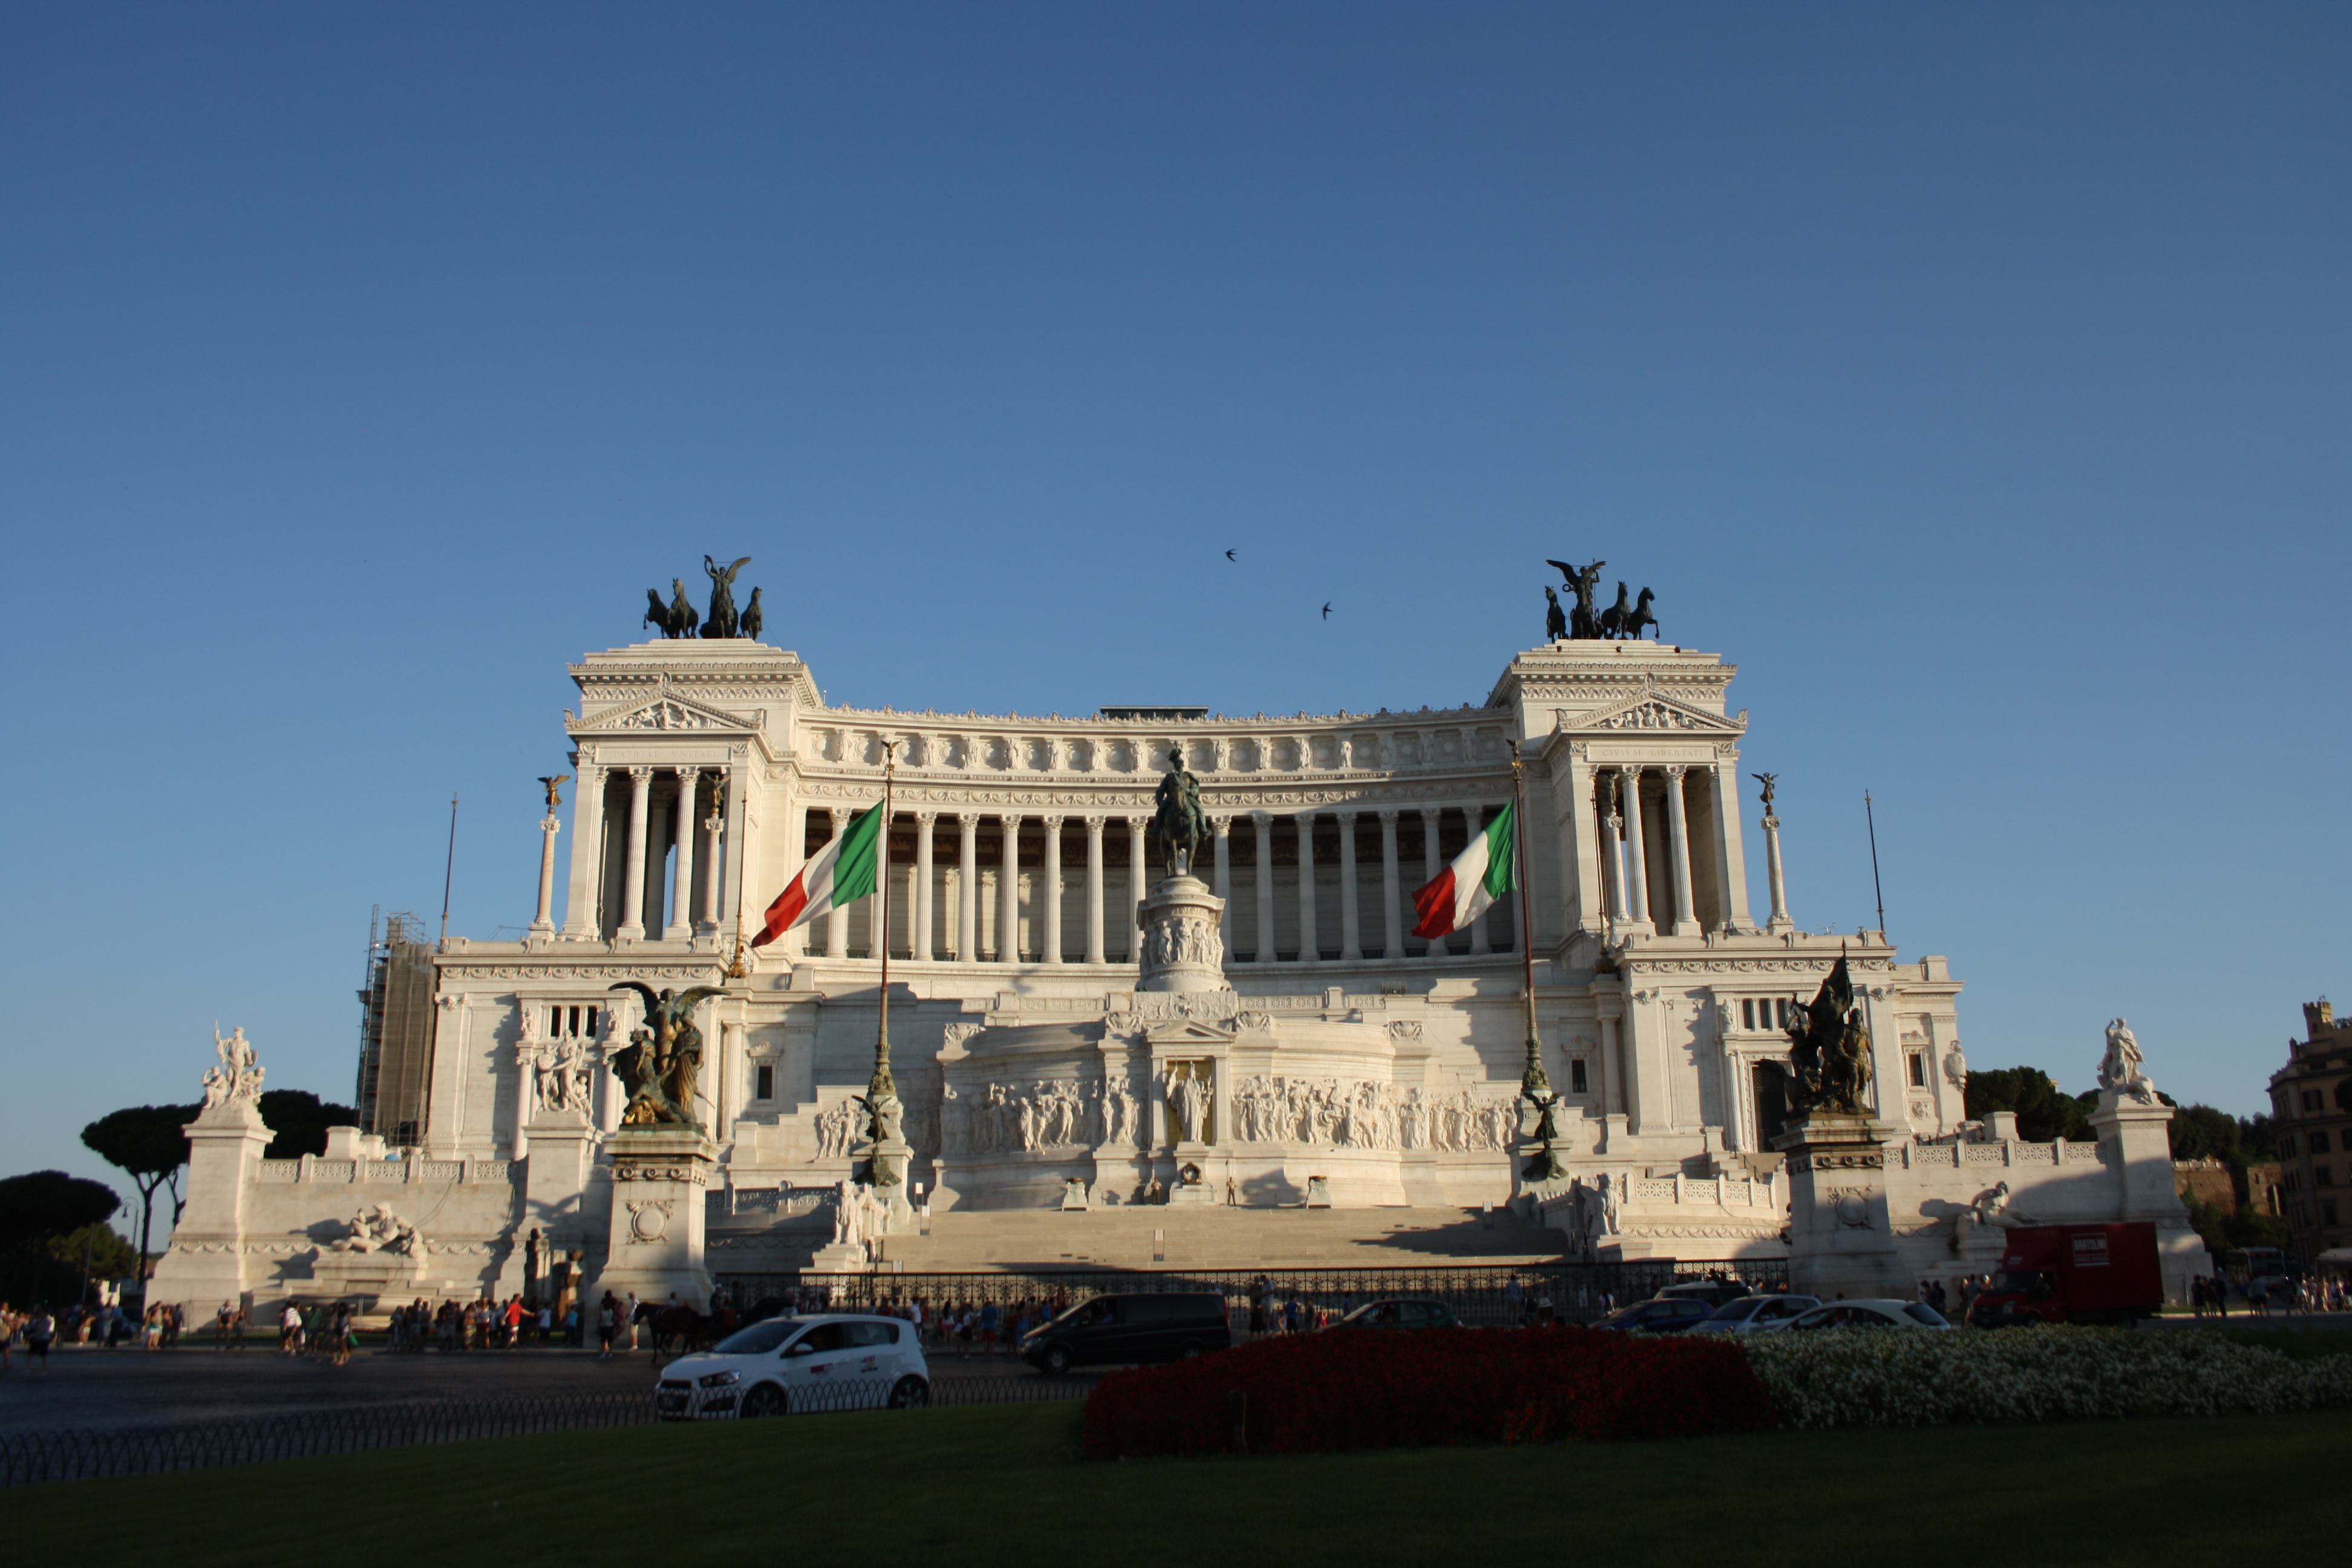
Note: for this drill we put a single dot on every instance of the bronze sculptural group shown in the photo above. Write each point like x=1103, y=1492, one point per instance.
x=679, y=618
x=1829, y=1049
x=659, y=1065
x=1623, y=620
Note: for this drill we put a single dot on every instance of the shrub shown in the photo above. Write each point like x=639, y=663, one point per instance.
x=1897, y=1378
x=1388, y=1389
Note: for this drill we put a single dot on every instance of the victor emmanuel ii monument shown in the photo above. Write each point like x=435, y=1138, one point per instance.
x=1151, y=956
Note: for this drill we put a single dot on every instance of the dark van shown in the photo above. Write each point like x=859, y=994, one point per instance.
x=1117, y=1330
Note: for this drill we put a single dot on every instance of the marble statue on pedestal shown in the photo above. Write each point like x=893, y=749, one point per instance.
x=380, y=1230
x=2121, y=1071
x=238, y=1080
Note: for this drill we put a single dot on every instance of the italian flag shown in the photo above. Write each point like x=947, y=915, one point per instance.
x=841, y=873
x=1479, y=875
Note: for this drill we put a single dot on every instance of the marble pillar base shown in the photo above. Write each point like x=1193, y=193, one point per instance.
x=1841, y=1238
x=654, y=1246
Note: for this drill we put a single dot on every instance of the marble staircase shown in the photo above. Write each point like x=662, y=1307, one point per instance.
x=1180, y=1236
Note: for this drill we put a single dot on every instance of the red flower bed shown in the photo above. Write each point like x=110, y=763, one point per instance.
x=1386, y=1389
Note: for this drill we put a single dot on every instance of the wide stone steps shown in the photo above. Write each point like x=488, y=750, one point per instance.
x=1180, y=1236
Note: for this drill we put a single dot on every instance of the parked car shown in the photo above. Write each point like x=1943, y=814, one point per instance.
x=1713, y=1293
x=1868, y=1314
x=1748, y=1314
x=1401, y=1315
x=1659, y=1315
x=1111, y=1330
x=832, y=1360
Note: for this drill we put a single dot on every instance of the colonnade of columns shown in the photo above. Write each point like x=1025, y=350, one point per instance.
x=636, y=869
x=1631, y=862
x=988, y=924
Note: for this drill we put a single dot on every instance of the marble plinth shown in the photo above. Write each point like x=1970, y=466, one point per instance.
x=1841, y=1233
x=655, y=1239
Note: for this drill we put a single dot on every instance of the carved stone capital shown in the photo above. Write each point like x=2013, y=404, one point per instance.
x=643, y=774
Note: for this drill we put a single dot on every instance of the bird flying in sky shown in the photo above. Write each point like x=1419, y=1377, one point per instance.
x=1327, y=609
x=1229, y=555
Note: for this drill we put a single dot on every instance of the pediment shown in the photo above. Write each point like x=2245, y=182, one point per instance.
x=1652, y=712
x=1189, y=1032
x=668, y=713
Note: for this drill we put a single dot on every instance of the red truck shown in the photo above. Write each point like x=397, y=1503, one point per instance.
x=2073, y=1274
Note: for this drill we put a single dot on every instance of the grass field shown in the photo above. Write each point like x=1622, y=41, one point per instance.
x=1000, y=1485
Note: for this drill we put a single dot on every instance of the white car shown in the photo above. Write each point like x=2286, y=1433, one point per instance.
x=829, y=1360
x=1870, y=1314
x=1754, y=1314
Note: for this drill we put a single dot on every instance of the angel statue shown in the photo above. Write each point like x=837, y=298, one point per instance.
x=722, y=621
x=553, y=784
x=661, y=1061
x=2121, y=1070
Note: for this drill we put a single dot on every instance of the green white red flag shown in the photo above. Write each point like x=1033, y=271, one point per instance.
x=1479, y=875
x=836, y=876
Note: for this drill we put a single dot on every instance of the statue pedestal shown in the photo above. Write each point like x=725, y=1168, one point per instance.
x=888, y=1161
x=203, y=1264
x=653, y=1244
x=366, y=1279
x=1840, y=1242
x=1181, y=949
x=2138, y=1142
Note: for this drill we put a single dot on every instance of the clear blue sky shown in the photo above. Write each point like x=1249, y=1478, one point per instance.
x=1974, y=376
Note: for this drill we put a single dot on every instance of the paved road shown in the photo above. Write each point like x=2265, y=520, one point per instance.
x=138, y=1388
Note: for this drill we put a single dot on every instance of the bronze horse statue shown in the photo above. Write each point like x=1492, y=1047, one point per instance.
x=1180, y=826
x=1623, y=620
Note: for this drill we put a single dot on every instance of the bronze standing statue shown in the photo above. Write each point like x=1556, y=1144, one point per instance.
x=1829, y=1049
x=722, y=621
x=557, y=781
x=1583, y=581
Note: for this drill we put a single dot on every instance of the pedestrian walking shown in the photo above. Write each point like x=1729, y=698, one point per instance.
x=39, y=1329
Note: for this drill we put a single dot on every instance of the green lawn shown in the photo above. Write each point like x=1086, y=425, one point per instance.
x=1000, y=1484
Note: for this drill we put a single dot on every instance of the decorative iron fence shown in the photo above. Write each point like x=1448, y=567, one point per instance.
x=33, y=1459
x=1485, y=1294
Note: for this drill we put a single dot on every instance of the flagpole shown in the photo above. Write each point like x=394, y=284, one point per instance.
x=882, y=1084
x=1534, y=1084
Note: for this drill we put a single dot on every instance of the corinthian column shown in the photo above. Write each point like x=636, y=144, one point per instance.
x=1263, y=822
x=1780, y=920
x=919, y=938
x=1637, y=858
x=1430, y=861
x=632, y=881
x=1135, y=873
x=1678, y=841
x=587, y=852
x=681, y=893
x=1095, y=889
x=1049, y=894
x=1008, y=885
x=1351, y=920
x=1391, y=890
x=543, y=925
x=968, y=888
x=1223, y=827
x=1310, y=950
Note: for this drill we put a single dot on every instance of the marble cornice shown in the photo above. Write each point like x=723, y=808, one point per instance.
x=1130, y=795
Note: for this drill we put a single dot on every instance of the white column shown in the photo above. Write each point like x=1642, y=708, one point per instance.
x=796, y=942
x=1264, y=821
x=837, y=922
x=1008, y=887
x=968, y=889
x=713, y=874
x=1049, y=893
x=1310, y=951
x=1612, y=860
x=543, y=925
x=1431, y=859
x=1351, y=921
x=921, y=908
x=1094, y=890
x=1391, y=890
x=587, y=839
x=681, y=893
x=1780, y=919
x=1678, y=844
x=1475, y=818
x=1637, y=860
x=632, y=881
x=727, y=1103
x=525, y=1045
x=1135, y=873
x=1224, y=884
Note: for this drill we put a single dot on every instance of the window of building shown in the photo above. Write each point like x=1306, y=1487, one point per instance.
x=2311, y=1100
x=1747, y=1012
x=764, y=1083
x=1576, y=1082
x=2320, y=1176
x=2327, y=1210
x=1919, y=1069
x=2319, y=1141
x=2287, y=1147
